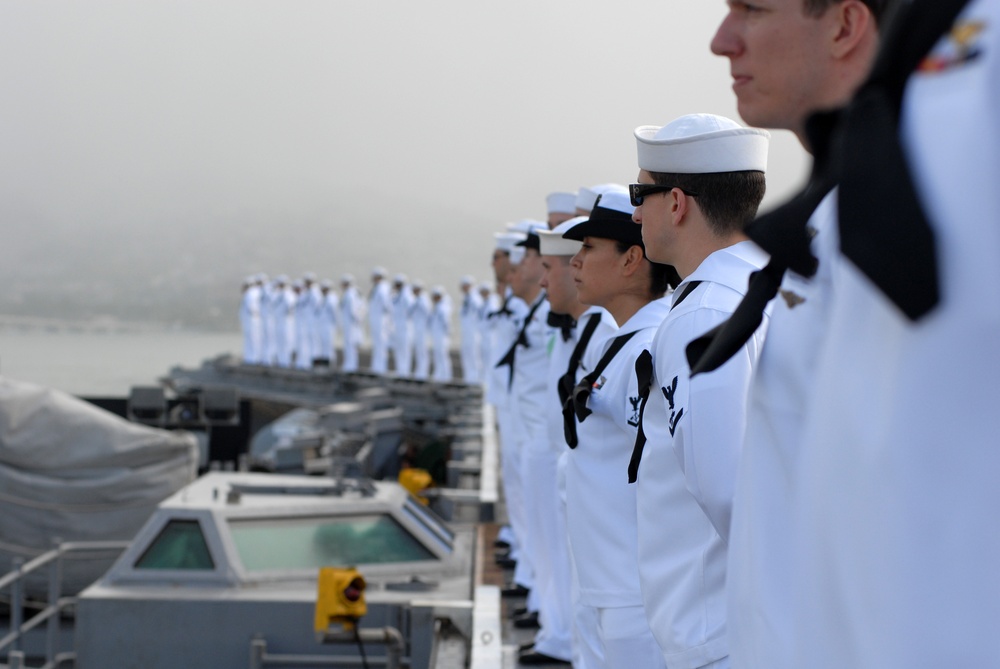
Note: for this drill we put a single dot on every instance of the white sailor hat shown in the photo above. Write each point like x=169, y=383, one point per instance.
x=586, y=197
x=437, y=291
x=701, y=144
x=611, y=218
x=399, y=278
x=378, y=271
x=417, y=284
x=527, y=226
x=347, y=277
x=326, y=283
x=309, y=276
x=485, y=287
x=531, y=228
x=281, y=279
x=554, y=244
x=466, y=280
x=561, y=203
x=506, y=241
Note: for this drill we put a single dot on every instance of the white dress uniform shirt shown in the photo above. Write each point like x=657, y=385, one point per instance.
x=897, y=479
x=760, y=598
x=379, y=326
x=600, y=504
x=420, y=314
x=468, y=321
x=694, y=430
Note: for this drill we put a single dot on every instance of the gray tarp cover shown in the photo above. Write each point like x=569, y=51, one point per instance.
x=72, y=471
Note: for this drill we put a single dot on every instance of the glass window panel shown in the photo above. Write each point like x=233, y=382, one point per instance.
x=180, y=545
x=310, y=543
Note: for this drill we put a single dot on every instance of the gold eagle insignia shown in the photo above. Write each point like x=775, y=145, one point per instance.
x=791, y=299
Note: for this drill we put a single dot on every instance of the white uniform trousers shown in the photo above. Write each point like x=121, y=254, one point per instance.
x=470, y=360
x=547, y=537
x=402, y=358
x=380, y=350
x=587, y=650
x=510, y=467
x=442, y=359
x=627, y=641
x=421, y=356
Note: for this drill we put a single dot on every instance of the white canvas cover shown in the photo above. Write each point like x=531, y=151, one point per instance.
x=74, y=472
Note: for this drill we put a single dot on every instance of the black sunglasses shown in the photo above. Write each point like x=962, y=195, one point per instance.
x=637, y=192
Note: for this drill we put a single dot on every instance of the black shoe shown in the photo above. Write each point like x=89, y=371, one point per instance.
x=514, y=591
x=525, y=647
x=534, y=657
x=505, y=562
x=518, y=612
x=500, y=543
x=529, y=621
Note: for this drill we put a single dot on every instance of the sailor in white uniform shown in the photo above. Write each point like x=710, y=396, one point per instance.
x=440, y=330
x=327, y=318
x=420, y=315
x=701, y=180
x=488, y=305
x=611, y=271
x=250, y=320
x=762, y=613
x=576, y=326
x=352, y=313
x=526, y=360
x=468, y=323
x=379, y=324
x=501, y=334
x=263, y=285
x=402, y=332
x=283, y=309
x=895, y=541
x=305, y=320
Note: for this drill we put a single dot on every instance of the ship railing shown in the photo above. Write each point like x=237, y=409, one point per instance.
x=14, y=581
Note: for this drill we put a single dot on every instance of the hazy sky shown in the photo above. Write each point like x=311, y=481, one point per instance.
x=328, y=135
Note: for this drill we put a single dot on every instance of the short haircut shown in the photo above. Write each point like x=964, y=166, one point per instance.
x=818, y=7
x=728, y=200
x=661, y=276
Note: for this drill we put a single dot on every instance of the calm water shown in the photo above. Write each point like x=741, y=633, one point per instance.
x=105, y=364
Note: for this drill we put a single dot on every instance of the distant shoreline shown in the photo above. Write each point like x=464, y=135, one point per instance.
x=11, y=323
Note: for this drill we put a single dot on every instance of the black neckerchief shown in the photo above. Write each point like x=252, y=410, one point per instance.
x=520, y=340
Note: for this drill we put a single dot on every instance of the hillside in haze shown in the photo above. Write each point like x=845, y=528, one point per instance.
x=185, y=271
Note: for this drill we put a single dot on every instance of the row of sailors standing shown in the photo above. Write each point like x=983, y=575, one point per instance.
x=296, y=324
x=617, y=467
x=401, y=319
x=292, y=323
